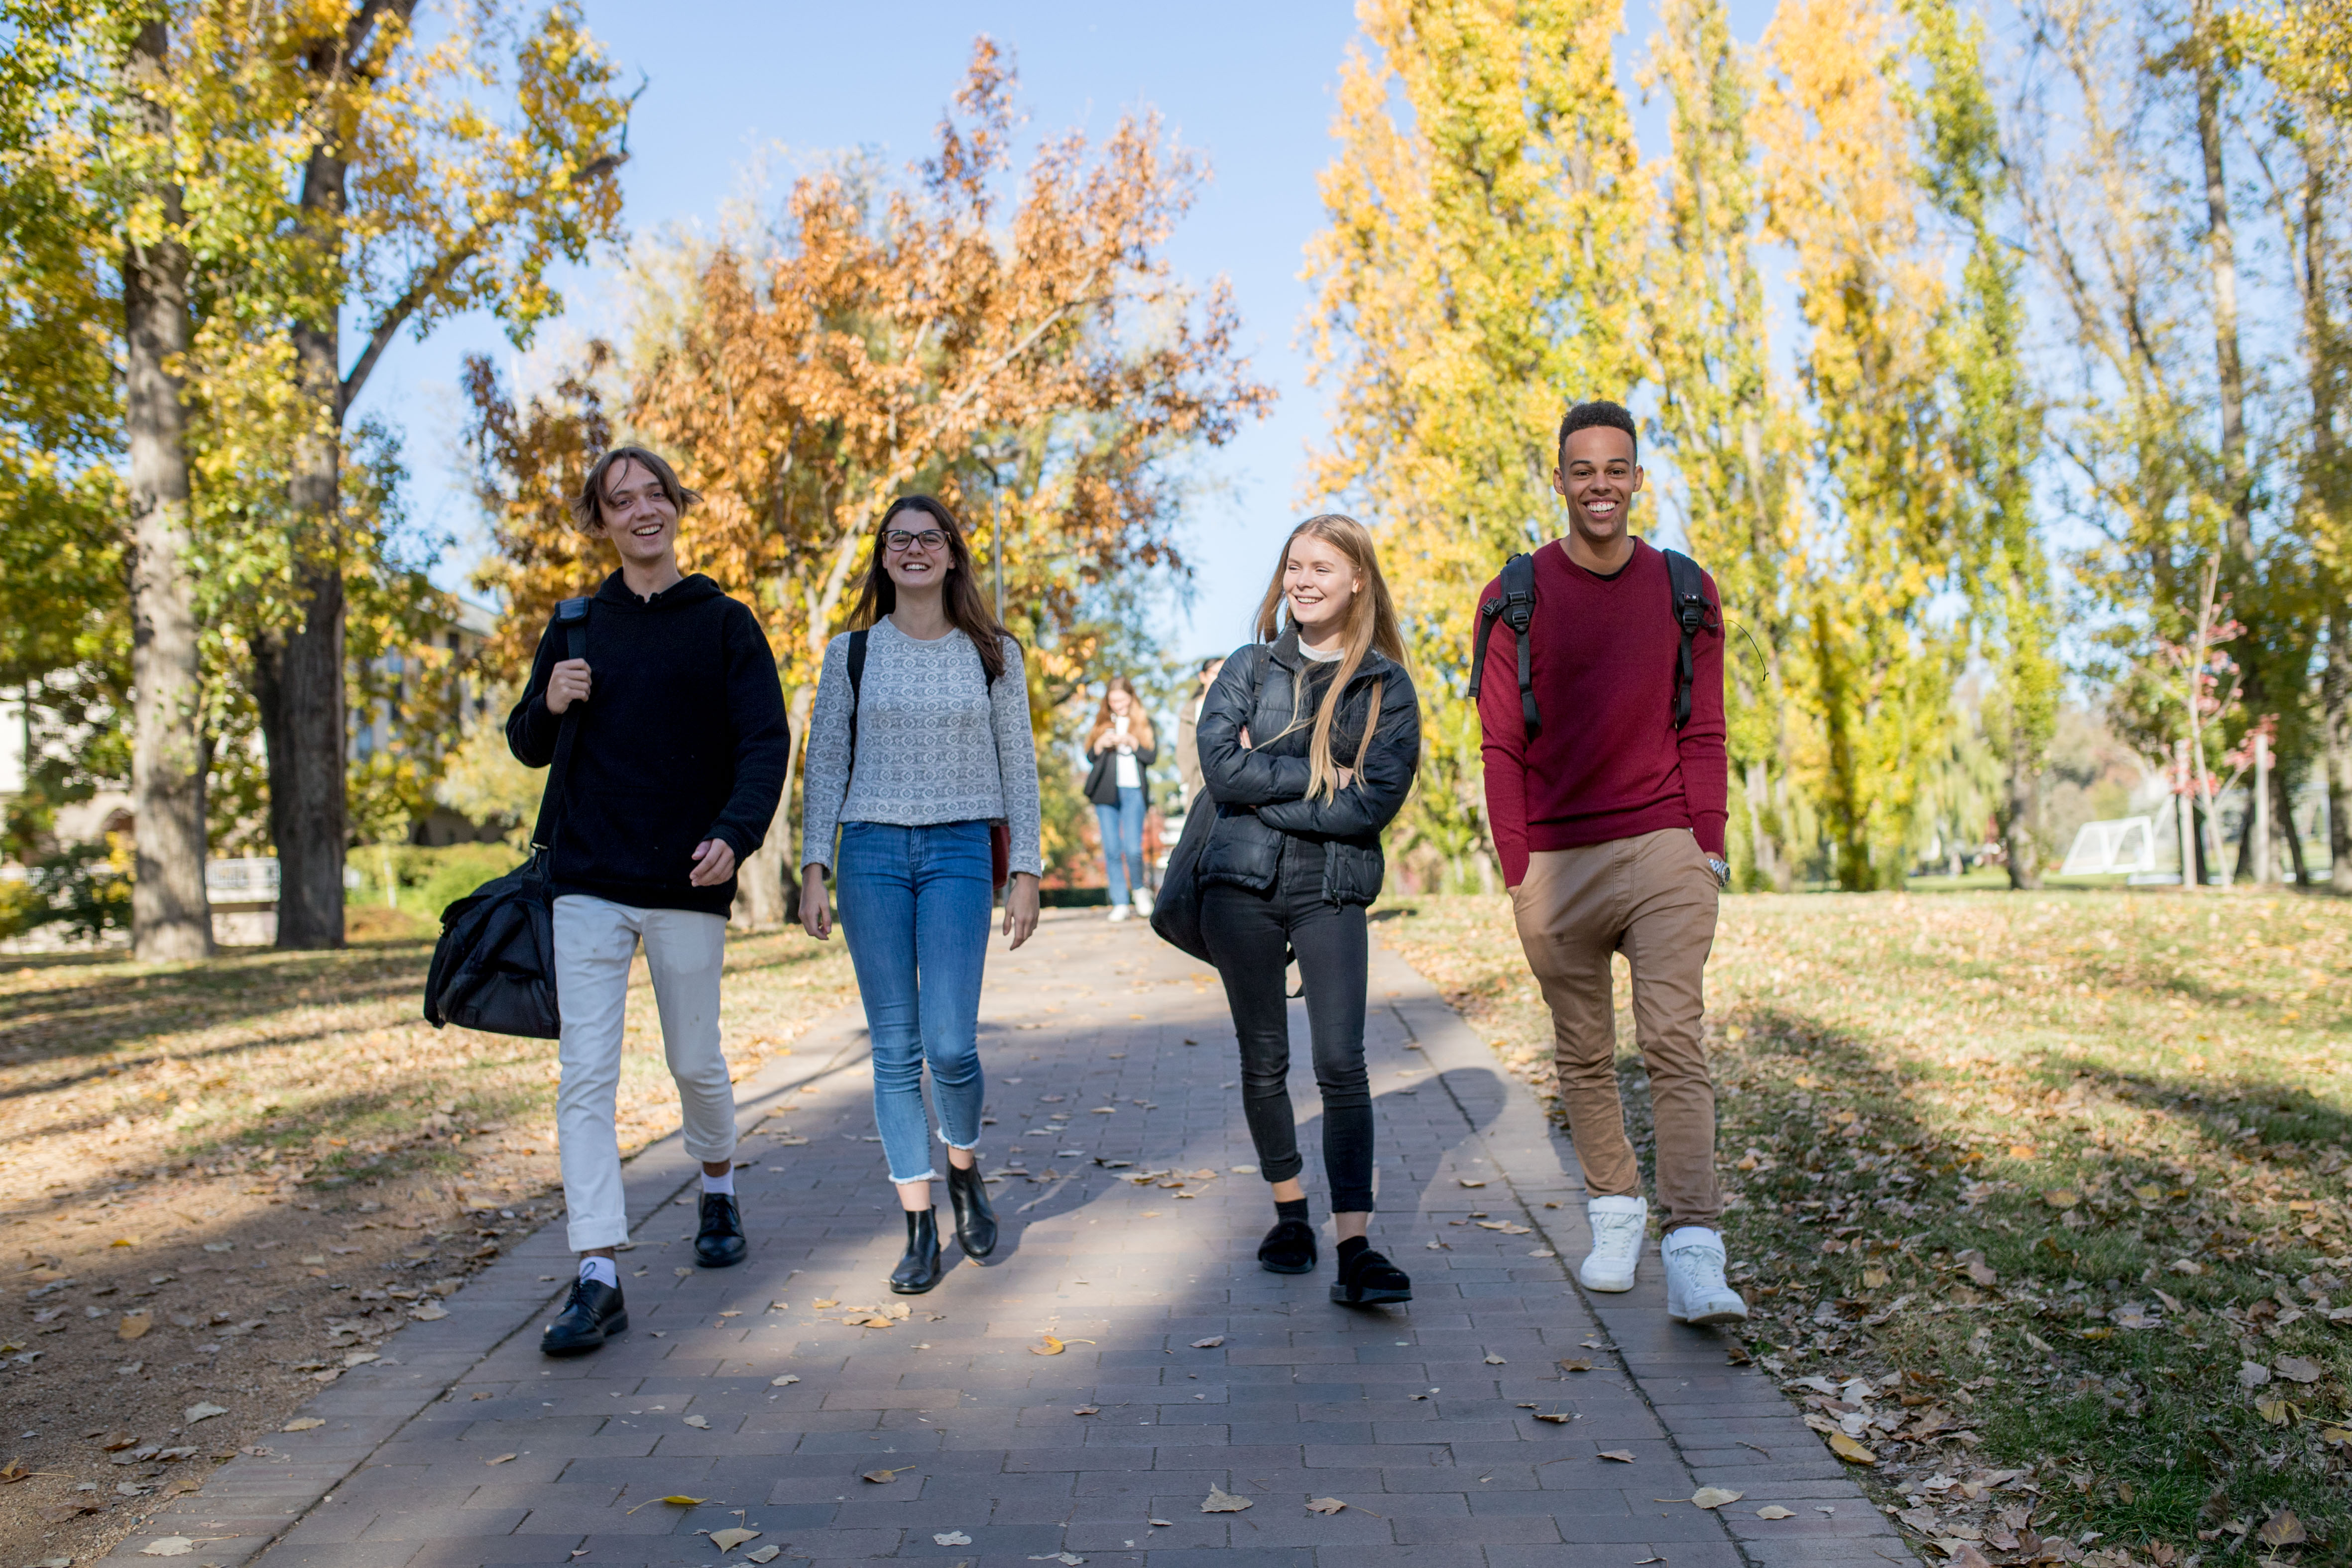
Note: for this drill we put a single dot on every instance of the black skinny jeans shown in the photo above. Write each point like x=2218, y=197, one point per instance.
x=1246, y=932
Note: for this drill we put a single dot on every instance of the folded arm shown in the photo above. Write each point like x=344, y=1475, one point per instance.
x=1372, y=801
x=1237, y=774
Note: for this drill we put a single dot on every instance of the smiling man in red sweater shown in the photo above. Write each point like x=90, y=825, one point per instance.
x=1608, y=816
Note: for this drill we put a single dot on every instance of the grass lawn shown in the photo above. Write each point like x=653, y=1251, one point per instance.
x=2050, y=1184
x=224, y=1182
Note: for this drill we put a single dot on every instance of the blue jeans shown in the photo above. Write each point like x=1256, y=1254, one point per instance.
x=1122, y=836
x=916, y=905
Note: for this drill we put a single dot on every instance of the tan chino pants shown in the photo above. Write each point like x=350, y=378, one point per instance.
x=1653, y=900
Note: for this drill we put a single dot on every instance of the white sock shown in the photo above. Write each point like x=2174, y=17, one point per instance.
x=601, y=1269
x=725, y=1184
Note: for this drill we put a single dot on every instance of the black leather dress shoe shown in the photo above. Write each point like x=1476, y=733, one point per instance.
x=975, y=1222
x=719, y=1243
x=919, y=1269
x=592, y=1314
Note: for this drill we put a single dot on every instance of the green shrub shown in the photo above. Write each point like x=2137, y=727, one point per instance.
x=425, y=881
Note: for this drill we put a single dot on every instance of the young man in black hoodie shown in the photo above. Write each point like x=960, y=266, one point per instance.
x=675, y=769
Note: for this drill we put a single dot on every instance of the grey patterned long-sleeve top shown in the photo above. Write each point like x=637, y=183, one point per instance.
x=936, y=741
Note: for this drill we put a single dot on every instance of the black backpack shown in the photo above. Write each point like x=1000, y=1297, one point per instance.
x=1514, y=606
x=494, y=967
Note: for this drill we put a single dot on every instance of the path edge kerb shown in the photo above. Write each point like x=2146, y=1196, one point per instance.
x=257, y=1500
x=1449, y=1043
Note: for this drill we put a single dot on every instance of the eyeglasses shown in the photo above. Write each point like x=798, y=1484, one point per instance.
x=900, y=540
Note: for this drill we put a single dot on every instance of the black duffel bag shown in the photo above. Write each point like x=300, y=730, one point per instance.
x=494, y=967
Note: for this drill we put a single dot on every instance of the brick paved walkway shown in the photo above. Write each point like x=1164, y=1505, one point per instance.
x=1186, y=1369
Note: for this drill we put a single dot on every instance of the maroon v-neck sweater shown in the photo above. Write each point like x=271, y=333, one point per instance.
x=1608, y=762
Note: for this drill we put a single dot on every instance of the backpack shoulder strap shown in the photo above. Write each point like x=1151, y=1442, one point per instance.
x=1687, y=601
x=1515, y=605
x=856, y=680
x=572, y=615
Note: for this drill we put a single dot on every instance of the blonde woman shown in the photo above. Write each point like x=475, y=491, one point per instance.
x=1120, y=746
x=1309, y=740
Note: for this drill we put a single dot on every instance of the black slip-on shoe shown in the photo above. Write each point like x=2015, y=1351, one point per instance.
x=1289, y=1247
x=719, y=1243
x=975, y=1222
x=592, y=1314
x=1369, y=1279
x=919, y=1269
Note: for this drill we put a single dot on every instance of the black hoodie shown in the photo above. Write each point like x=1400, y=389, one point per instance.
x=683, y=739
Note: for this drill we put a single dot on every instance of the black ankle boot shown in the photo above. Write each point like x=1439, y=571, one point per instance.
x=1289, y=1247
x=919, y=1269
x=975, y=1222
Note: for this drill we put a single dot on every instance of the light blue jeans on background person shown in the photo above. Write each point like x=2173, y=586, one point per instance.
x=916, y=906
x=1122, y=836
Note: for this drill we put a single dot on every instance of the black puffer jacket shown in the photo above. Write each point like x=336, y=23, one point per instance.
x=1260, y=789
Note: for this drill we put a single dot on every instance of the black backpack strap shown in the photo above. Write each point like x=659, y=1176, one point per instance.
x=857, y=678
x=1514, y=604
x=1686, y=586
x=572, y=615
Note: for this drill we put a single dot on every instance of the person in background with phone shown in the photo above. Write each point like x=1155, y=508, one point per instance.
x=1120, y=746
x=677, y=762
x=912, y=768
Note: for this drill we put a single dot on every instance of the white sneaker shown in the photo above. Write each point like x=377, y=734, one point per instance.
x=1142, y=904
x=1617, y=1225
x=1696, y=1292
x=1119, y=912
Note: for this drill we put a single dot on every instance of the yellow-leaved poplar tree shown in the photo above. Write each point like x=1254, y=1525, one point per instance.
x=1479, y=271
x=1840, y=161
x=1729, y=430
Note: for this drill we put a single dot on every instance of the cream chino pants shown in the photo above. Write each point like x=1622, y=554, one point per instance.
x=595, y=942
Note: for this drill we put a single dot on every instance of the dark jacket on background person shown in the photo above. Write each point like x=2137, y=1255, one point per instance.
x=1102, y=779
x=682, y=738
x=1259, y=790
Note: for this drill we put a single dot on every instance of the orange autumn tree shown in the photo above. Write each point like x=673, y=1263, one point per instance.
x=1027, y=355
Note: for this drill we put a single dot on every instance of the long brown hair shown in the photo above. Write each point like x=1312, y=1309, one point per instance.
x=878, y=596
x=1139, y=722
x=1371, y=624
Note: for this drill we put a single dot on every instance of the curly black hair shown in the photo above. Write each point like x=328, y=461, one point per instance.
x=1597, y=411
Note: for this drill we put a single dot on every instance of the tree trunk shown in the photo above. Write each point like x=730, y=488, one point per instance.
x=169, y=919
x=2283, y=811
x=306, y=769
x=2335, y=730
x=2221, y=259
x=307, y=806
x=2245, y=871
x=2021, y=822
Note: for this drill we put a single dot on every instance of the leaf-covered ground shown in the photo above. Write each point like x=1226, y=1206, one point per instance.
x=221, y=1184
x=2039, y=1200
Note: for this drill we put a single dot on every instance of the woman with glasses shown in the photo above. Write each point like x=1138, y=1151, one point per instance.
x=912, y=757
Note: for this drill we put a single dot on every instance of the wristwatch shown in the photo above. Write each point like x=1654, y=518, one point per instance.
x=1722, y=869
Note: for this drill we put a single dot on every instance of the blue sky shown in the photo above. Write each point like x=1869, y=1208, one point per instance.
x=1248, y=86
